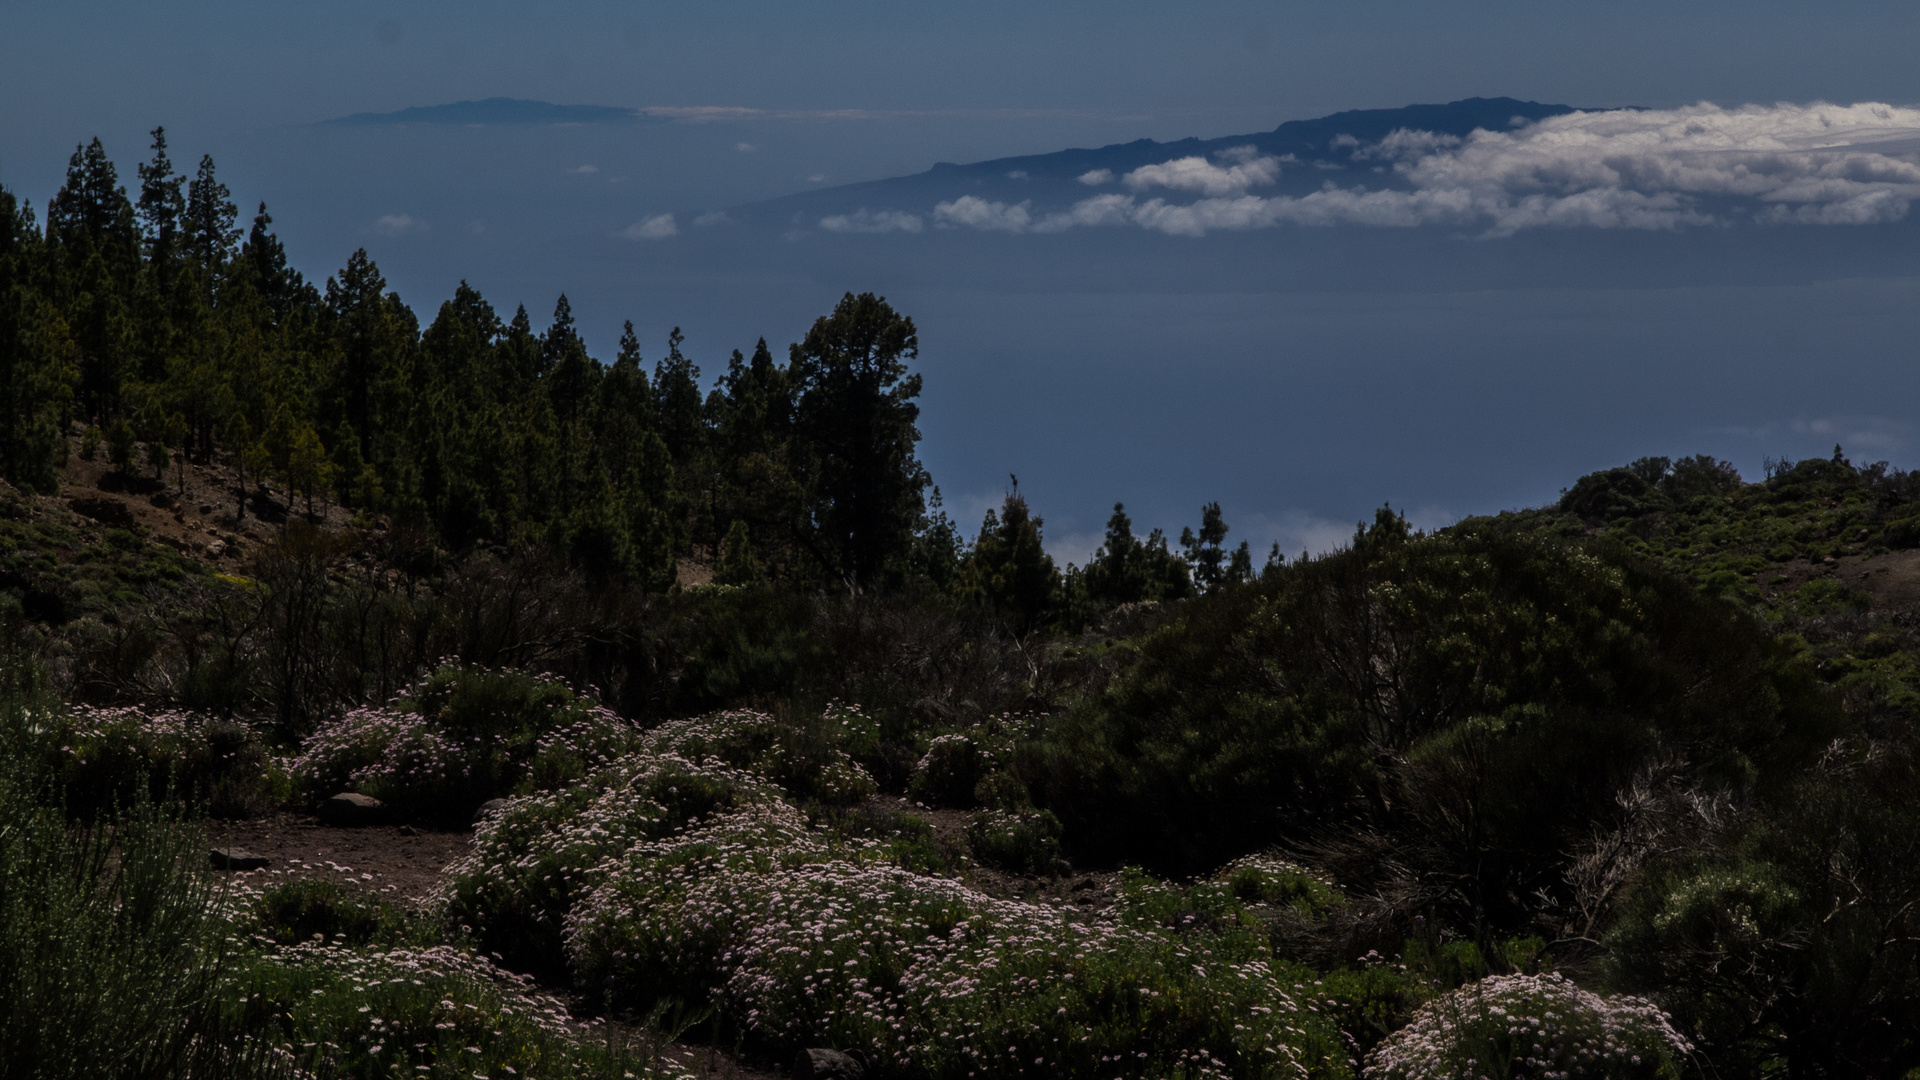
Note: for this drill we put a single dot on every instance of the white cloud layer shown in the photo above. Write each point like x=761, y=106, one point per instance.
x=974, y=212
x=873, y=221
x=1200, y=175
x=658, y=227
x=1647, y=169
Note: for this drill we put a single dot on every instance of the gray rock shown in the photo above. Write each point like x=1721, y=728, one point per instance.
x=489, y=808
x=236, y=859
x=820, y=1064
x=351, y=808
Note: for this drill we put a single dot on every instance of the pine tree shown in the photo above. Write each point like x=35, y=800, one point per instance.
x=37, y=361
x=161, y=210
x=211, y=234
x=854, y=420
x=1009, y=569
x=1128, y=570
x=1205, y=553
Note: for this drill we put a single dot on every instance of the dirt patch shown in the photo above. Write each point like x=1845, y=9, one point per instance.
x=392, y=862
x=1892, y=578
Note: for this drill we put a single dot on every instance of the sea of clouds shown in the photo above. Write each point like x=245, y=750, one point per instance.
x=1703, y=165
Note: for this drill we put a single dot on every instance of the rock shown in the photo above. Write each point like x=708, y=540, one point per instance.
x=162, y=499
x=820, y=1064
x=489, y=808
x=236, y=859
x=352, y=808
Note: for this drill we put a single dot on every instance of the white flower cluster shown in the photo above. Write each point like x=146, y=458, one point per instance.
x=1540, y=1027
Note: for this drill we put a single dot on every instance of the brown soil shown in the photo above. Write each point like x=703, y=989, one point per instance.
x=1892, y=578
x=402, y=863
x=193, y=509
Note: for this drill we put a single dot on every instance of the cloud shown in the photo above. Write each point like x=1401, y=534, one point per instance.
x=974, y=212
x=817, y=178
x=399, y=224
x=658, y=227
x=1017, y=174
x=871, y=221
x=585, y=170
x=745, y=147
x=1654, y=169
x=1203, y=176
x=1096, y=177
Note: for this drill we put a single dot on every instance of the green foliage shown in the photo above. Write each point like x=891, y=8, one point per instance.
x=111, y=942
x=1473, y=697
x=458, y=738
x=306, y=909
x=1129, y=570
x=1018, y=841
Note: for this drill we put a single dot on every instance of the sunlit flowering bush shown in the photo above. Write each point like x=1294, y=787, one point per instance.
x=811, y=760
x=530, y=862
x=1506, y=1027
x=462, y=736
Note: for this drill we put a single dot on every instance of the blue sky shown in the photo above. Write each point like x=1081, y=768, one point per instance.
x=1299, y=374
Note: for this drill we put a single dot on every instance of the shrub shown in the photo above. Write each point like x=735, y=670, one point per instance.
x=460, y=737
x=1264, y=879
x=111, y=944
x=811, y=760
x=949, y=771
x=439, y=1012
x=1510, y=1026
x=927, y=978
x=1018, y=841
x=529, y=863
x=111, y=757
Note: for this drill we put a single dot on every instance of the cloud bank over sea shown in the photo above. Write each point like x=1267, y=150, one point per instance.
x=1651, y=169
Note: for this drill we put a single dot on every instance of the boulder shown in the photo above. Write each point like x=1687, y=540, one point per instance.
x=817, y=1064
x=489, y=808
x=236, y=859
x=351, y=808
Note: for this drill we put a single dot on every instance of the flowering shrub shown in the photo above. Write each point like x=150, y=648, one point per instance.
x=1264, y=879
x=438, y=1012
x=530, y=862
x=925, y=976
x=107, y=756
x=459, y=737
x=971, y=767
x=1022, y=841
x=811, y=761
x=1513, y=1026
x=949, y=771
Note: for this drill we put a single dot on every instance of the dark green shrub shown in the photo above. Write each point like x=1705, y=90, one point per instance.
x=1018, y=841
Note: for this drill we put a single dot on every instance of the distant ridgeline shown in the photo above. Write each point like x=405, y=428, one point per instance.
x=1322, y=145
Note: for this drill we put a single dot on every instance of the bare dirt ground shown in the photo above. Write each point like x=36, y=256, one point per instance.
x=1892, y=578
x=399, y=863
